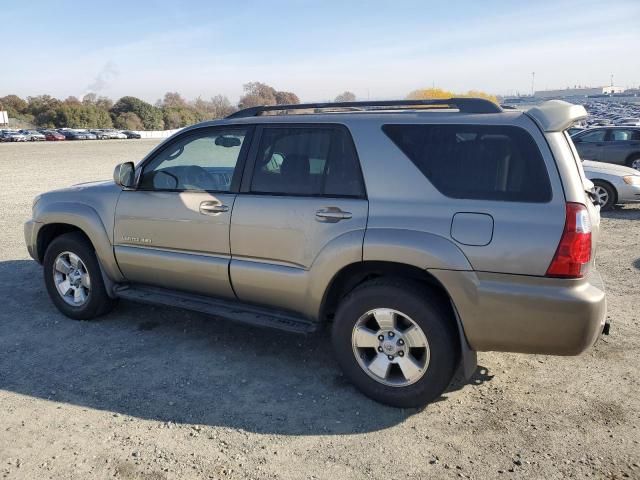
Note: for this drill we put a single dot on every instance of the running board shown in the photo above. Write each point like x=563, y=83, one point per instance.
x=232, y=310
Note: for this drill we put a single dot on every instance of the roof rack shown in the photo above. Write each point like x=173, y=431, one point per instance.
x=464, y=105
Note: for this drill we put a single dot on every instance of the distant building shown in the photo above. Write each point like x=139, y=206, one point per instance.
x=578, y=92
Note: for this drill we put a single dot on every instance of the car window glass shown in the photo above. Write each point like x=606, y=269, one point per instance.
x=307, y=161
x=476, y=162
x=203, y=161
x=621, y=135
x=594, y=136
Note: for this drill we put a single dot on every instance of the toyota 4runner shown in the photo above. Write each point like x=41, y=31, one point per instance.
x=423, y=231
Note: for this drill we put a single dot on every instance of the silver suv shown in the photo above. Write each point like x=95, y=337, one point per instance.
x=422, y=231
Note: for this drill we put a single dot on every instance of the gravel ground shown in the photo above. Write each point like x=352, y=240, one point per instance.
x=157, y=393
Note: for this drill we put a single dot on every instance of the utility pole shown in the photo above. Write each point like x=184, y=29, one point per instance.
x=533, y=79
x=612, y=79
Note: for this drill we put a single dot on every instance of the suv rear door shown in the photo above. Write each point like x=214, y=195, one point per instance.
x=302, y=190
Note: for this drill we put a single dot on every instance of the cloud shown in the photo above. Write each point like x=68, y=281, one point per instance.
x=107, y=74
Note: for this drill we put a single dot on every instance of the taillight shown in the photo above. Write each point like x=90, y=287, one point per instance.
x=574, y=251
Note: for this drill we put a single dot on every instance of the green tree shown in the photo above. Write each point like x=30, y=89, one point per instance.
x=128, y=121
x=150, y=116
x=44, y=110
x=14, y=105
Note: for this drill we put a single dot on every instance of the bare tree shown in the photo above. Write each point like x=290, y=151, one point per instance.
x=346, y=97
x=173, y=99
x=256, y=94
x=286, y=98
x=218, y=107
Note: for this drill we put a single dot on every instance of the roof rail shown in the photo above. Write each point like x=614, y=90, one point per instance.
x=464, y=105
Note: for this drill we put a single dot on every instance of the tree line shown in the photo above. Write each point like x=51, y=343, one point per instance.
x=172, y=111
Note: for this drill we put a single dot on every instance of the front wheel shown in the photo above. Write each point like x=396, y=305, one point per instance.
x=605, y=195
x=396, y=342
x=73, y=278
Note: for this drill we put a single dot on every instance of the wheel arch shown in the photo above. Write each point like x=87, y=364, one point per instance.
x=64, y=217
x=352, y=275
x=631, y=157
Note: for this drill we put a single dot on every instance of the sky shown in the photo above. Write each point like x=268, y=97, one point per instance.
x=316, y=49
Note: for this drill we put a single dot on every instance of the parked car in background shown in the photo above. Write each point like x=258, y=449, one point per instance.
x=119, y=135
x=628, y=122
x=33, y=135
x=574, y=130
x=613, y=184
x=53, y=136
x=89, y=135
x=72, y=134
x=619, y=145
x=100, y=134
x=131, y=134
x=13, y=136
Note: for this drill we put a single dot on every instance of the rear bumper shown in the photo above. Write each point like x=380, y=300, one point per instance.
x=517, y=313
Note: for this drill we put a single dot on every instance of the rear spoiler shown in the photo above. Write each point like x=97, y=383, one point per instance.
x=557, y=115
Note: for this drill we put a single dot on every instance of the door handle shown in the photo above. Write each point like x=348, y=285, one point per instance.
x=213, y=208
x=332, y=215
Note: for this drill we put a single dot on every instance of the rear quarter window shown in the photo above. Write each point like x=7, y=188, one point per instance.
x=478, y=162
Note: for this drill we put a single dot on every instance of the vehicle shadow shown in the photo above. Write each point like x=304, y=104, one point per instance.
x=628, y=212
x=637, y=264
x=174, y=366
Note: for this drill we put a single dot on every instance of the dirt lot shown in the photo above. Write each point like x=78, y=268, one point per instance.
x=156, y=393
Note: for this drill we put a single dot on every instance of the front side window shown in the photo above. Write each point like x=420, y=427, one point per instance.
x=476, y=161
x=201, y=162
x=308, y=162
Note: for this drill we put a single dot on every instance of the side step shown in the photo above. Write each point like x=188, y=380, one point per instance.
x=241, y=312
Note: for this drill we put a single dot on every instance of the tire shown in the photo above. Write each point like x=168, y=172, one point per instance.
x=607, y=195
x=96, y=301
x=406, y=303
x=634, y=162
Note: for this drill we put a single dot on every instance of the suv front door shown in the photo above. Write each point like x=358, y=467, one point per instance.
x=303, y=194
x=173, y=229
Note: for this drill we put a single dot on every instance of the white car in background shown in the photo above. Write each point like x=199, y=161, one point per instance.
x=13, y=136
x=614, y=184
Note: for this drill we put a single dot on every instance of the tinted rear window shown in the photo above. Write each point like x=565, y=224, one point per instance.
x=476, y=161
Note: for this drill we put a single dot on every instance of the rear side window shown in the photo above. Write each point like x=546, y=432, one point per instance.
x=308, y=162
x=476, y=161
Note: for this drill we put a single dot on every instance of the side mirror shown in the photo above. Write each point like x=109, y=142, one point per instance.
x=124, y=175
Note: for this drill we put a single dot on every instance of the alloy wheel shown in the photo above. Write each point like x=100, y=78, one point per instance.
x=390, y=347
x=602, y=195
x=71, y=278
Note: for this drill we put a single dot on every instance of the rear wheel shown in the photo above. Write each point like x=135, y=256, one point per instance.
x=73, y=278
x=396, y=342
x=605, y=194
